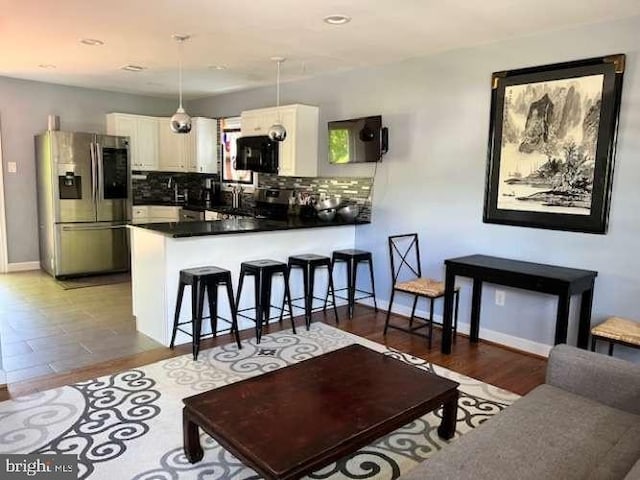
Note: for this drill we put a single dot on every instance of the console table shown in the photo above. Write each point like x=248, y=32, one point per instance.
x=538, y=277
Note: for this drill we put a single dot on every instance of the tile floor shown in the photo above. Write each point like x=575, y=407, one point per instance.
x=45, y=329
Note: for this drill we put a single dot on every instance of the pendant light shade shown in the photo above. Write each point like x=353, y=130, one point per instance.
x=277, y=132
x=180, y=121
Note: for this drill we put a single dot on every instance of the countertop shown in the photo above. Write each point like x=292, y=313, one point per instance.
x=240, y=225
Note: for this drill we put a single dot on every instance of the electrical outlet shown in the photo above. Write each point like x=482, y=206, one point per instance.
x=500, y=297
x=12, y=167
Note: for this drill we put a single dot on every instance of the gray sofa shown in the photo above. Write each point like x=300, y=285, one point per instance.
x=583, y=423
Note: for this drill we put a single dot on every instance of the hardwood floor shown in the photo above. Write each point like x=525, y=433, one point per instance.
x=512, y=370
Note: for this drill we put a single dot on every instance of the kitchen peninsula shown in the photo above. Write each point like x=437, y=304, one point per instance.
x=160, y=250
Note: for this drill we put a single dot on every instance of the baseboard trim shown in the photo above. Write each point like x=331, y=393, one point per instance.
x=499, y=338
x=511, y=341
x=23, y=266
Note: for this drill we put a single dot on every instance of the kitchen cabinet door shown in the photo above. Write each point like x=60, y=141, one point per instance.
x=139, y=211
x=287, y=155
x=210, y=215
x=298, y=154
x=140, y=214
x=147, y=139
x=154, y=214
x=161, y=213
x=254, y=123
x=171, y=148
x=143, y=138
x=202, y=146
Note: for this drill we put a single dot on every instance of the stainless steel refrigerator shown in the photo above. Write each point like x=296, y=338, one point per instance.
x=83, y=186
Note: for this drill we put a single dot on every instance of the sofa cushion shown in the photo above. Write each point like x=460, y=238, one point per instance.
x=549, y=433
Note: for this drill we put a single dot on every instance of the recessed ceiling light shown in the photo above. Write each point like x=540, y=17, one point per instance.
x=132, y=68
x=218, y=67
x=337, y=19
x=180, y=38
x=94, y=42
x=47, y=66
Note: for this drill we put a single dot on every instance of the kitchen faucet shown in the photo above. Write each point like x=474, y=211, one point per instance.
x=236, y=197
x=180, y=197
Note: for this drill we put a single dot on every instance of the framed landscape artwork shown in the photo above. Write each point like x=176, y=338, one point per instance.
x=552, y=139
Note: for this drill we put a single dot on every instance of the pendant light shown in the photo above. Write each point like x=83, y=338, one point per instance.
x=277, y=132
x=180, y=121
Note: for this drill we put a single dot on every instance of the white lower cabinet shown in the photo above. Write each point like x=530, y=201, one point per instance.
x=154, y=214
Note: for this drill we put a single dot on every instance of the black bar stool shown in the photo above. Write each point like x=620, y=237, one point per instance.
x=353, y=258
x=309, y=262
x=263, y=272
x=201, y=279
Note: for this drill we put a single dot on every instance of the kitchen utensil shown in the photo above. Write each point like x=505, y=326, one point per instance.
x=349, y=212
x=327, y=204
x=327, y=215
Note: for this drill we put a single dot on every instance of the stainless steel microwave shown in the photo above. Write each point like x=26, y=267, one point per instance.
x=259, y=154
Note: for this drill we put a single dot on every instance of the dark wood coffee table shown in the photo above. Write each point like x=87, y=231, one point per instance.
x=293, y=421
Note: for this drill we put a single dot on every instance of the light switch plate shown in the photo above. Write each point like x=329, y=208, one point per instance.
x=12, y=167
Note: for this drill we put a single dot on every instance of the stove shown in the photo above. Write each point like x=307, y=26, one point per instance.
x=272, y=203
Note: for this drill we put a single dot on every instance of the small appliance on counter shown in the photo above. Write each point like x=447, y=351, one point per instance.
x=272, y=203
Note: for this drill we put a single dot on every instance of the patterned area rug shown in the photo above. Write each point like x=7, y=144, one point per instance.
x=129, y=425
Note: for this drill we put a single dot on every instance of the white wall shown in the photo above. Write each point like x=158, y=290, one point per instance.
x=24, y=107
x=432, y=181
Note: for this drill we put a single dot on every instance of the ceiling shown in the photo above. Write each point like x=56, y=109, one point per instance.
x=242, y=36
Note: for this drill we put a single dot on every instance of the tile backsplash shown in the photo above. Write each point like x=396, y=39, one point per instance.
x=355, y=189
x=153, y=187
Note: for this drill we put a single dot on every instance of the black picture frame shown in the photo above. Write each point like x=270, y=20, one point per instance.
x=564, y=176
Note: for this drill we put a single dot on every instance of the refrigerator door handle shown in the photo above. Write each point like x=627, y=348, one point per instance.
x=93, y=172
x=99, y=170
x=93, y=227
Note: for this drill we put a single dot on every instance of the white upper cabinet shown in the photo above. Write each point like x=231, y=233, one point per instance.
x=195, y=151
x=172, y=148
x=153, y=146
x=298, y=155
x=256, y=122
x=203, y=146
x=143, y=138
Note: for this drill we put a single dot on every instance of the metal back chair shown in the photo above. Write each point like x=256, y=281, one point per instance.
x=404, y=254
x=406, y=276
